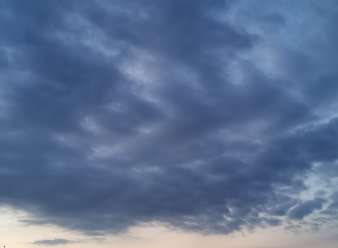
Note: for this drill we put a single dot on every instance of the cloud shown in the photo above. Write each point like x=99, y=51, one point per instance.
x=304, y=209
x=181, y=112
x=52, y=242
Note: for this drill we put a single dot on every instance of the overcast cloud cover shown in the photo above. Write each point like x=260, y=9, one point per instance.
x=208, y=116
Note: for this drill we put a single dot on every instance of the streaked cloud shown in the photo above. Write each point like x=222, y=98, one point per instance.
x=52, y=242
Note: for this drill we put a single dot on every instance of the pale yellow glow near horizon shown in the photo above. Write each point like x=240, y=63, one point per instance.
x=14, y=233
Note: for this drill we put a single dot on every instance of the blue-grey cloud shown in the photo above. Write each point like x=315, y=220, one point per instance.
x=52, y=242
x=305, y=208
x=201, y=115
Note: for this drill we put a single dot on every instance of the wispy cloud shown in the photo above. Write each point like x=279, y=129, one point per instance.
x=52, y=242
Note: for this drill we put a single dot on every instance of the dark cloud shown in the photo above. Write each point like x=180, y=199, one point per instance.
x=118, y=113
x=304, y=209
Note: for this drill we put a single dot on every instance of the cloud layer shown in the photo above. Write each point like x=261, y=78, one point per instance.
x=203, y=115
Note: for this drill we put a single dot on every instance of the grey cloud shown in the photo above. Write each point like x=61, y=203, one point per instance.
x=117, y=113
x=283, y=208
x=52, y=242
x=304, y=209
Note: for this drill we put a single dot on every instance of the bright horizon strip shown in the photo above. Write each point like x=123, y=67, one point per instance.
x=18, y=234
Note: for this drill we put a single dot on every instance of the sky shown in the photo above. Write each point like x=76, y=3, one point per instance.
x=169, y=123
